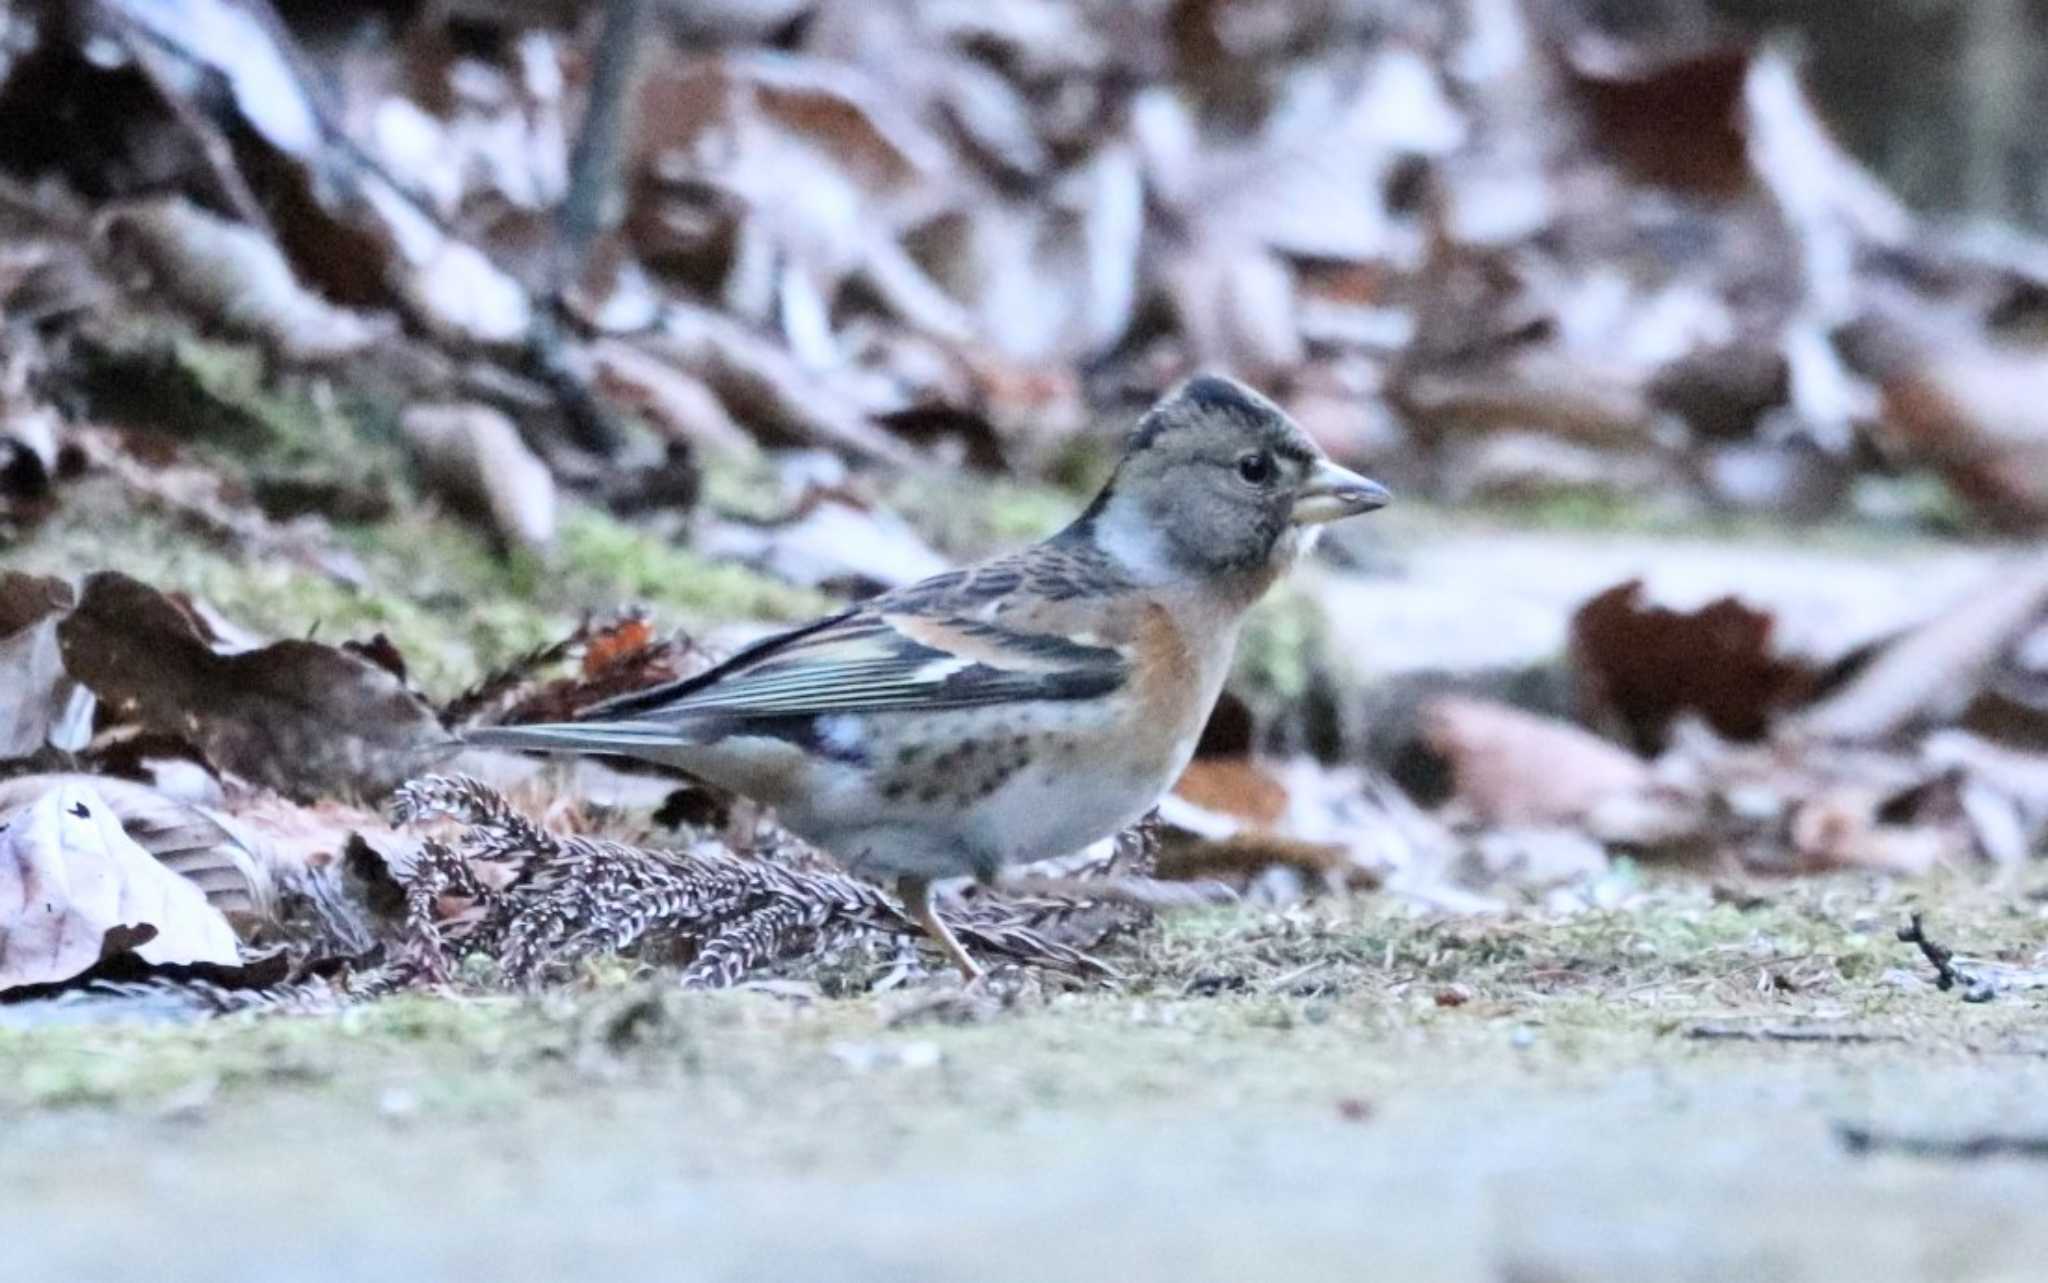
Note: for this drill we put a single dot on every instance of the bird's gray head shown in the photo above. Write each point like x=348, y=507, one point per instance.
x=1217, y=482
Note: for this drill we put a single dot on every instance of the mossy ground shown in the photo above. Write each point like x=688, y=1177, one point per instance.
x=1591, y=988
x=1448, y=1097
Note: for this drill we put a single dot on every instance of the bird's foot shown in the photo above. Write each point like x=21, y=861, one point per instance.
x=917, y=901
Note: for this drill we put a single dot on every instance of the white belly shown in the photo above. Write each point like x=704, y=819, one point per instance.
x=1074, y=788
x=1043, y=813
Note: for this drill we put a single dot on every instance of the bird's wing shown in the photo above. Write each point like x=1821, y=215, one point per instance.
x=874, y=658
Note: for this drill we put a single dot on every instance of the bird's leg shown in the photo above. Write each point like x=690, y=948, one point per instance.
x=917, y=900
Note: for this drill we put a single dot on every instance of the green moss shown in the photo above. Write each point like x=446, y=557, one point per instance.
x=290, y=435
x=434, y=585
x=458, y=1043
x=1220, y=1005
x=601, y=554
x=96, y=529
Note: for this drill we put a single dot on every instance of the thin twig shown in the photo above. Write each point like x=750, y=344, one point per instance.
x=1790, y=1033
x=1967, y=1148
x=1947, y=975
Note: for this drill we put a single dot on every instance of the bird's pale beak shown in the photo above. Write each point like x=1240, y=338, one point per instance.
x=1332, y=493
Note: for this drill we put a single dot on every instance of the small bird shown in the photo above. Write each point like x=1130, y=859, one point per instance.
x=1021, y=708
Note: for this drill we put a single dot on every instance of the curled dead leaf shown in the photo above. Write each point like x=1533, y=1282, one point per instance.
x=1932, y=672
x=1843, y=828
x=198, y=843
x=680, y=405
x=1971, y=405
x=764, y=387
x=1234, y=786
x=830, y=541
x=75, y=887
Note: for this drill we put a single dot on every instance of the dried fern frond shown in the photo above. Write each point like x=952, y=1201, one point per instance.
x=502, y=683
x=539, y=901
x=199, y=998
x=1096, y=902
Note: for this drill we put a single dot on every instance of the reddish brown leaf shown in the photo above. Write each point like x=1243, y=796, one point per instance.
x=619, y=642
x=1235, y=787
x=1641, y=666
x=1673, y=122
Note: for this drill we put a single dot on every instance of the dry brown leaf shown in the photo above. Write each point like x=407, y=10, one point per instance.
x=475, y=456
x=822, y=160
x=346, y=225
x=242, y=44
x=1237, y=308
x=1540, y=389
x=450, y=286
x=1241, y=857
x=1235, y=817
x=1971, y=406
x=619, y=657
x=1675, y=122
x=680, y=405
x=1641, y=666
x=1234, y=786
x=74, y=887
x=1519, y=768
x=765, y=388
x=1053, y=280
x=301, y=717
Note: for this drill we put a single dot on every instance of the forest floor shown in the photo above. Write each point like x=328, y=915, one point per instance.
x=1749, y=1081
x=1706, y=1079
x=1534, y=1061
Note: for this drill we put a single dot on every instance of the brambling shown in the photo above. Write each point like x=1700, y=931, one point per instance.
x=1021, y=708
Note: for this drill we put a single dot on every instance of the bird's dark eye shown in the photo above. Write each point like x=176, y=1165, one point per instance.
x=1256, y=468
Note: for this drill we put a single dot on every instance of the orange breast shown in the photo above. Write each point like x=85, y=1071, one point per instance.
x=1173, y=681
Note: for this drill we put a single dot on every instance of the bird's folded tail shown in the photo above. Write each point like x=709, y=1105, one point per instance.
x=631, y=738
